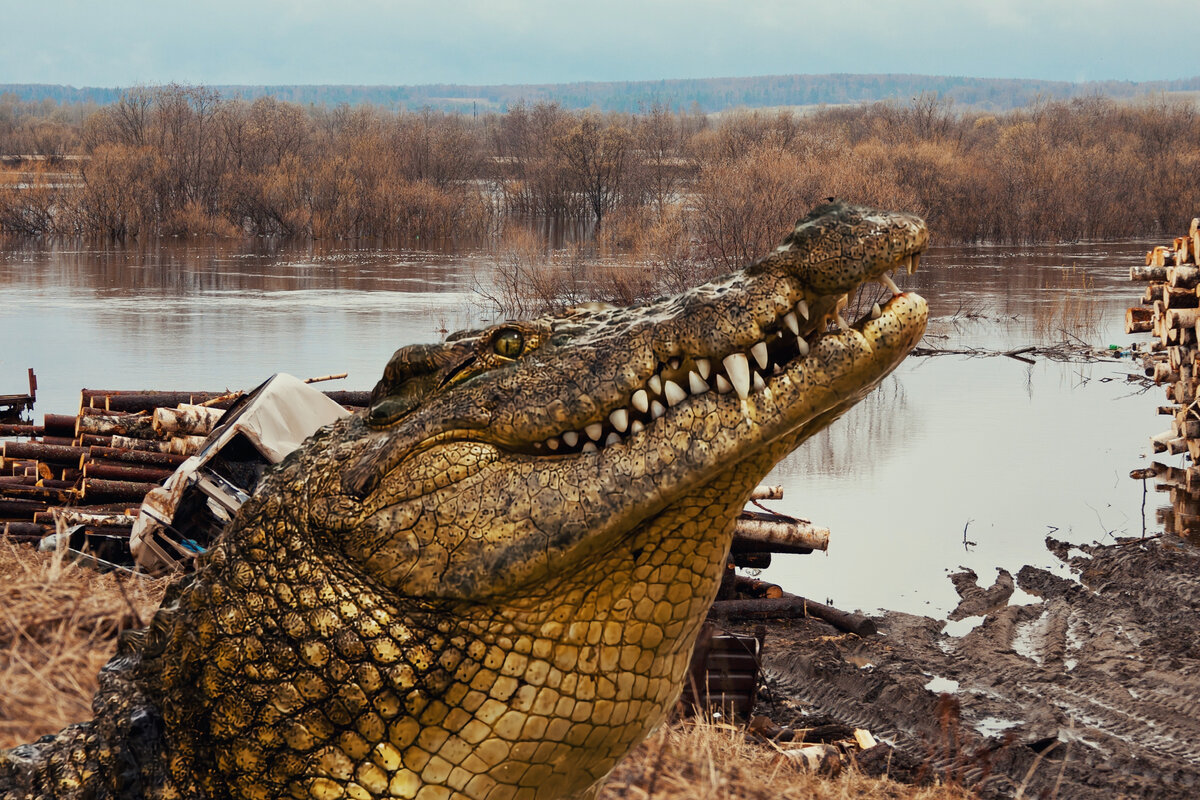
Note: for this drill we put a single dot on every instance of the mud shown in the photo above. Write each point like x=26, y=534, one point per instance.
x=1091, y=691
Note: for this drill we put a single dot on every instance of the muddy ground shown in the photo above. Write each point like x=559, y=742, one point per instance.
x=1092, y=691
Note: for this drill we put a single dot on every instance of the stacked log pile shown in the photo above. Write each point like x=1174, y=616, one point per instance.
x=1170, y=313
x=94, y=468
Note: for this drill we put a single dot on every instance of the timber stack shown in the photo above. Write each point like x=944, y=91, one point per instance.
x=89, y=472
x=1170, y=313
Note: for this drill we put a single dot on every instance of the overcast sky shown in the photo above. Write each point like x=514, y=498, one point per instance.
x=127, y=42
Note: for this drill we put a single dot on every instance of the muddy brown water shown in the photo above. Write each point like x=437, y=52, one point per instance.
x=987, y=449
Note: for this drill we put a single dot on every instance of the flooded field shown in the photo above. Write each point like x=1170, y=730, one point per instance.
x=964, y=460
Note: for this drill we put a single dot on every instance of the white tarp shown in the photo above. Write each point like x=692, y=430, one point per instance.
x=277, y=418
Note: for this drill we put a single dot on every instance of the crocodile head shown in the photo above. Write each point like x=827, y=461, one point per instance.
x=505, y=457
x=489, y=584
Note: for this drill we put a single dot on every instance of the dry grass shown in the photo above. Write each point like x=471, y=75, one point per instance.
x=692, y=760
x=59, y=624
x=1071, y=310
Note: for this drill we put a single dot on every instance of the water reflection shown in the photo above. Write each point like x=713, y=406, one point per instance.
x=949, y=451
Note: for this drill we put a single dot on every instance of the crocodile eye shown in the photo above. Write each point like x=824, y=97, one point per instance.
x=508, y=343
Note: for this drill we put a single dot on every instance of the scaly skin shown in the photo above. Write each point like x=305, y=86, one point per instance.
x=459, y=594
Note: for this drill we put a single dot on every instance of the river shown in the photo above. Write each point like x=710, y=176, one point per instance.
x=956, y=460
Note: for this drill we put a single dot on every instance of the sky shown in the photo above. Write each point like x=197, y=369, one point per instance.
x=381, y=42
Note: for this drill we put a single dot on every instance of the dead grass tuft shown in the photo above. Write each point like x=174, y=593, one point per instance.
x=701, y=760
x=58, y=625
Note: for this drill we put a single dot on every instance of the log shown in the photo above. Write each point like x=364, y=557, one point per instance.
x=1138, y=320
x=20, y=509
x=186, y=420
x=1177, y=318
x=350, y=399
x=819, y=759
x=771, y=536
x=1188, y=428
x=1153, y=292
x=115, y=425
x=1180, y=298
x=1164, y=374
x=118, y=471
x=1195, y=226
x=767, y=493
x=1181, y=245
x=94, y=489
x=136, y=456
x=22, y=430
x=754, y=588
x=1184, y=391
x=754, y=559
x=179, y=445
x=1148, y=273
x=26, y=531
x=134, y=400
x=54, y=454
x=1183, y=277
x=791, y=605
x=1161, y=256
x=59, y=424
x=70, y=516
x=43, y=493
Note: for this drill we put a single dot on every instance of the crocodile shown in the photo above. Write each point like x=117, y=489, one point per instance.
x=488, y=583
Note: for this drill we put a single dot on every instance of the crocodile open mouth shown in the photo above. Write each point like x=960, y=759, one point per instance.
x=786, y=343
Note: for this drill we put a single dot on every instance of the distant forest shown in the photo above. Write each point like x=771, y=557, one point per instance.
x=707, y=95
x=684, y=190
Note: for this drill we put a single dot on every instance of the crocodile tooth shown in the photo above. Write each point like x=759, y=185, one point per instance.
x=655, y=384
x=673, y=363
x=657, y=409
x=696, y=384
x=916, y=260
x=876, y=311
x=803, y=345
x=636, y=426
x=759, y=351
x=613, y=438
x=887, y=281
x=704, y=367
x=777, y=370
x=802, y=309
x=593, y=431
x=759, y=383
x=571, y=438
x=619, y=419
x=723, y=386
x=792, y=323
x=674, y=393
x=738, y=369
x=841, y=323
x=590, y=447
x=641, y=400
x=552, y=443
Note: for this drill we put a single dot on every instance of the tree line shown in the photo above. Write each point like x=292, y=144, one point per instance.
x=182, y=160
